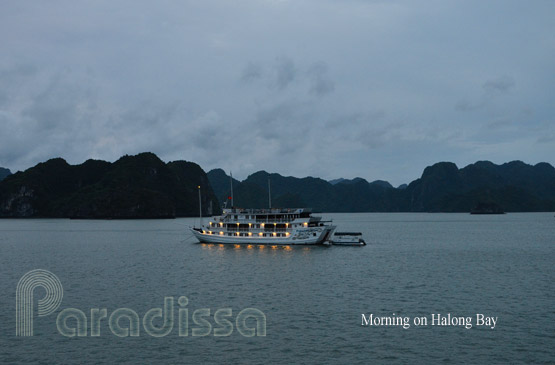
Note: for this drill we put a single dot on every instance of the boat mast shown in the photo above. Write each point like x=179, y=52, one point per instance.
x=199, y=208
x=231, y=183
x=269, y=194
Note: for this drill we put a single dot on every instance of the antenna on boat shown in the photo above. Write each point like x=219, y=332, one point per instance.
x=231, y=183
x=269, y=194
x=199, y=208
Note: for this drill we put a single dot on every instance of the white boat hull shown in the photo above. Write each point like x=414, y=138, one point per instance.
x=314, y=236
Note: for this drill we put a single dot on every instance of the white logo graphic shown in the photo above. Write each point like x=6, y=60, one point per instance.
x=124, y=322
x=24, y=299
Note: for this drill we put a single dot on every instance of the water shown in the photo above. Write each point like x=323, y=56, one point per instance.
x=313, y=297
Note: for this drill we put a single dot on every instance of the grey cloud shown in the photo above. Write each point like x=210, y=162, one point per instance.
x=356, y=120
x=54, y=118
x=546, y=139
x=369, y=129
x=55, y=107
x=17, y=71
x=374, y=137
x=167, y=128
x=466, y=105
x=320, y=84
x=11, y=77
x=4, y=98
x=285, y=72
x=201, y=81
x=272, y=116
x=491, y=89
x=375, y=134
x=251, y=72
x=290, y=129
x=275, y=121
x=500, y=124
x=501, y=84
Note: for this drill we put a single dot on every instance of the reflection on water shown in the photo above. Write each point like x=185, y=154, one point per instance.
x=252, y=247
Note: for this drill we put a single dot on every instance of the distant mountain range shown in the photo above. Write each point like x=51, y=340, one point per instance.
x=4, y=173
x=143, y=186
x=513, y=186
x=140, y=186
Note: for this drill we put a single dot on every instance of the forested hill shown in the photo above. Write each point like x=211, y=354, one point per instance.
x=443, y=187
x=4, y=173
x=143, y=186
x=140, y=186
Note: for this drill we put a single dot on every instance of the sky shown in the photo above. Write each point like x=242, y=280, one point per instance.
x=351, y=88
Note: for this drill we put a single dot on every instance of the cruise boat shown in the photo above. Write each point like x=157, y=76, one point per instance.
x=266, y=226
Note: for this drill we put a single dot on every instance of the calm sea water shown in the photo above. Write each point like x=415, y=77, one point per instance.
x=313, y=297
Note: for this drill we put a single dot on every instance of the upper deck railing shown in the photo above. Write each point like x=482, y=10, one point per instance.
x=267, y=211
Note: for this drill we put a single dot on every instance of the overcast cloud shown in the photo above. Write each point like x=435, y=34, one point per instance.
x=376, y=89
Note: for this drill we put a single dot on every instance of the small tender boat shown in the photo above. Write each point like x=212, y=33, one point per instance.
x=347, y=239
